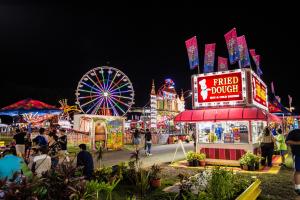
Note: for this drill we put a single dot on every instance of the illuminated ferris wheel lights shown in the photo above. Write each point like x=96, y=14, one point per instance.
x=105, y=93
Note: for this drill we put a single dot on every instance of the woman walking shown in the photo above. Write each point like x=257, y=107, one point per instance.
x=267, y=147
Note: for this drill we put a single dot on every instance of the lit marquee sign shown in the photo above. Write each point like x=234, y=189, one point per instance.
x=219, y=88
x=259, y=92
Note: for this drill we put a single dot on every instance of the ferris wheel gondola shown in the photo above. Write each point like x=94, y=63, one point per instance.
x=105, y=91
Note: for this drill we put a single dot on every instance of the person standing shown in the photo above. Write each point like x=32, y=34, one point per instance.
x=28, y=145
x=267, y=147
x=19, y=138
x=281, y=145
x=293, y=139
x=194, y=139
x=85, y=160
x=136, y=139
x=148, y=142
x=63, y=141
x=54, y=148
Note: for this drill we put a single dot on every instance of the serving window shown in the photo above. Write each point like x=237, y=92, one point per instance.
x=257, y=129
x=223, y=132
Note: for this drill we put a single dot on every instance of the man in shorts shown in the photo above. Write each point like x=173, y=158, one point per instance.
x=19, y=137
x=293, y=139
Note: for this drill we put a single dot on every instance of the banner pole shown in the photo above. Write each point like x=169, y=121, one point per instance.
x=198, y=69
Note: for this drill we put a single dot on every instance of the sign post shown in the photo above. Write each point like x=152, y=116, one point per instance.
x=182, y=147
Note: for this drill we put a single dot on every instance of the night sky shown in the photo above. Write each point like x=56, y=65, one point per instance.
x=46, y=49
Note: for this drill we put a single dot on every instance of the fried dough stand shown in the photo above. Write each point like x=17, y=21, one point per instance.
x=230, y=110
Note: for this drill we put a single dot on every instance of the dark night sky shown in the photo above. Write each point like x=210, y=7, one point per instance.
x=46, y=49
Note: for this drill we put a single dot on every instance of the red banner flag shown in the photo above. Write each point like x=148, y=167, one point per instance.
x=232, y=46
x=254, y=57
x=209, y=58
x=222, y=64
x=252, y=52
x=192, y=49
x=243, y=49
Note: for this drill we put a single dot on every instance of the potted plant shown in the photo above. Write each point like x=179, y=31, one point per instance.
x=243, y=163
x=201, y=158
x=155, y=176
x=196, y=161
x=190, y=157
x=257, y=161
x=250, y=160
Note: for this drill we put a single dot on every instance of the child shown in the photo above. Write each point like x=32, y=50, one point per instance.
x=281, y=145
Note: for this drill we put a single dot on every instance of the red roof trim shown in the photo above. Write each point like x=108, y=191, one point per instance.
x=236, y=113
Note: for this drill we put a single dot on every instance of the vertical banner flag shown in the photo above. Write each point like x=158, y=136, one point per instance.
x=272, y=88
x=222, y=64
x=209, y=58
x=232, y=46
x=256, y=59
x=243, y=50
x=258, y=69
x=192, y=50
x=290, y=101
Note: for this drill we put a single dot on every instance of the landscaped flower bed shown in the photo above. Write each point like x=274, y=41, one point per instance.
x=218, y=184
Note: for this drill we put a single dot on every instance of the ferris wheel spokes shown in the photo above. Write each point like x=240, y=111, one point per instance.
x=110, y=93
x=98, y=79
x=96, y=109
x=113, y=107
x=86, y=103
x=120, y=101
x=91, y=86
x=109, y=87
x=120, y=87
x=98, y=86
x=99, y=102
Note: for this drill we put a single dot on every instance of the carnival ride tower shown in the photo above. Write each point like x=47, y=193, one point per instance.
x=153, y=107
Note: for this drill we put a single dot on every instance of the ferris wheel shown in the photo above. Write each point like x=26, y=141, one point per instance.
x=105, y=91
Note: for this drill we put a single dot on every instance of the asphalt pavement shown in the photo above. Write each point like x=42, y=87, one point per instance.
x=160, y=154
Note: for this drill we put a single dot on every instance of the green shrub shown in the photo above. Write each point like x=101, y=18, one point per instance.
x=221, y=184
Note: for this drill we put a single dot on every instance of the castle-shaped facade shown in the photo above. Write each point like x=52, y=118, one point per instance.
x=165, y=104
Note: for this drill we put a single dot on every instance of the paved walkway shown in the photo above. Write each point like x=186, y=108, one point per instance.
x=160, y=154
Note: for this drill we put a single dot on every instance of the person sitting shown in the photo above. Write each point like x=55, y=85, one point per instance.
x=85, y=160
x=41, y=140
x=41, y=162
x=11, y=164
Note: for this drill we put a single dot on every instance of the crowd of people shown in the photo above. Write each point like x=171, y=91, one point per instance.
x=27, y=155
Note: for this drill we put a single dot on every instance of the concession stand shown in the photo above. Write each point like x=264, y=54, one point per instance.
x=230, y=110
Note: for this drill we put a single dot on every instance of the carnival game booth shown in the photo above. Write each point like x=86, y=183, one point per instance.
x=230, y=110
x=108, y=130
